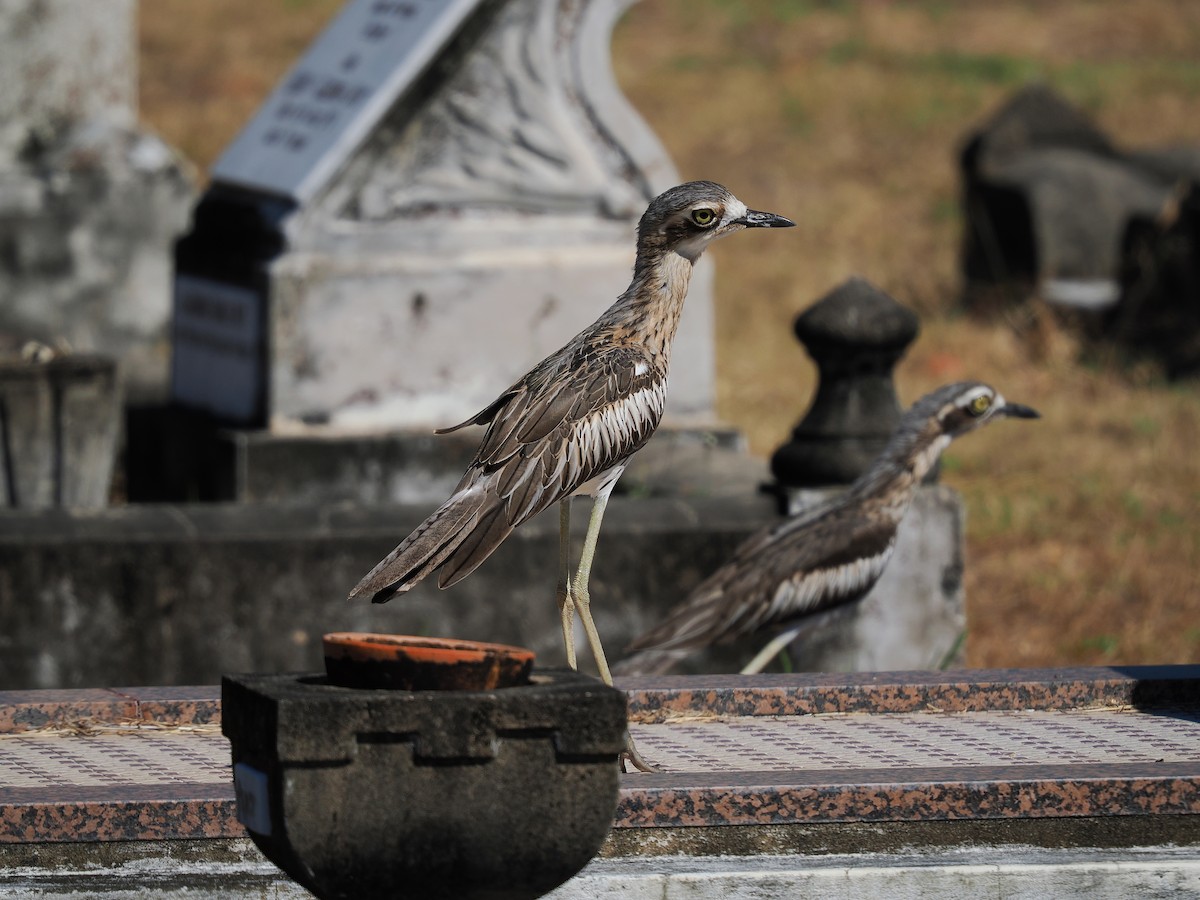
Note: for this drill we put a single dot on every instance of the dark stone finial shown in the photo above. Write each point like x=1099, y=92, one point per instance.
x=856, y=334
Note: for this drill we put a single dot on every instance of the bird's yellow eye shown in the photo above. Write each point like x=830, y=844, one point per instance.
x=703, y=217
x=979, y=405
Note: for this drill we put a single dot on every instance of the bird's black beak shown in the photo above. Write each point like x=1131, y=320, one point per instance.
x=1018, y=411
x=755, y=219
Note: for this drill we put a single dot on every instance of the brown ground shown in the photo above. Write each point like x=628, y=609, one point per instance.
x=1083, y=532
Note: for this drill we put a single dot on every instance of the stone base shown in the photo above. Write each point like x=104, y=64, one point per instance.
x=401, y=339
x=914, y=617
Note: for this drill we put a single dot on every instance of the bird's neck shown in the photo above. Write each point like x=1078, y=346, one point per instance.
x=892, y=480
x=648, y=312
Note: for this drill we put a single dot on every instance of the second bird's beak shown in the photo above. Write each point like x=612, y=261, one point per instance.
x=1016, y=410
x=755, y=219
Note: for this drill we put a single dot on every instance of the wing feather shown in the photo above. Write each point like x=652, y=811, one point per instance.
x=778, y=574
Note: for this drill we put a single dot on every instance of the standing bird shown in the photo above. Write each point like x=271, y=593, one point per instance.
x=826, y=556
x=572, y=423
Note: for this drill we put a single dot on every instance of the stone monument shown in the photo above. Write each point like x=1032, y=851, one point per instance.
x=89, y=202
x=439, y=194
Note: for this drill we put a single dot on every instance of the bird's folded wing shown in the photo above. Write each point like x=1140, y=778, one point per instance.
x=778, y=574
x=587, y=410
x=559, y=428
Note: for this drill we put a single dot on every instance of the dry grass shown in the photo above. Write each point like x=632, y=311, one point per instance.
x=1084, y=545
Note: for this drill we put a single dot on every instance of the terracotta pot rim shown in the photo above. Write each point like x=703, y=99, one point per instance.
x=373, y=644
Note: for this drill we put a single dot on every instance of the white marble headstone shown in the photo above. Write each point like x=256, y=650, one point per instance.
x=441, y=193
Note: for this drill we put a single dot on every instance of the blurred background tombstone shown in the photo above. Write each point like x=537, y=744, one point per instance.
x=90, y=203
x=914, y=617
x=1056, y=210
x=1159, y=310
x=437, y=195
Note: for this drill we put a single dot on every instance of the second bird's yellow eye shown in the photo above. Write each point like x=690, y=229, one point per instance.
x=703, y=217
x=980, y=405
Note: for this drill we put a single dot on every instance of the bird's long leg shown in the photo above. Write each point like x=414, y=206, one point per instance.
x=768, y=653
x=579, y=592
x=579, y=589
x=816, y=622
x=562, y=595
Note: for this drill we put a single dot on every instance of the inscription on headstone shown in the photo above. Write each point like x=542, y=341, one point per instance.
x=218, y=336
x=337, y=92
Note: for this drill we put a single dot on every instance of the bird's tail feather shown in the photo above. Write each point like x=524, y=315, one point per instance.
x=429, y=545
x=477, y=543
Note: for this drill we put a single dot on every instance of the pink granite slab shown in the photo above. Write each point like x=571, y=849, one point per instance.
x=964, y=690
x=149, y=805
x=33, y=710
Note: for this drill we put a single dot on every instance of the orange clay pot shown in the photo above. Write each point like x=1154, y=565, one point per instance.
x=409, y=663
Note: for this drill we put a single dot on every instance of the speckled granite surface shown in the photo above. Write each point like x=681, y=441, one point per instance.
x=771, y=751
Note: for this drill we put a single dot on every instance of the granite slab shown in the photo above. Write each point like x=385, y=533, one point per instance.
x=806, y=751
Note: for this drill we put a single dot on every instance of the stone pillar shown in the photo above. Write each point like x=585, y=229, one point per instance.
x=914, y=617
x=89, y=204
x=855, y=334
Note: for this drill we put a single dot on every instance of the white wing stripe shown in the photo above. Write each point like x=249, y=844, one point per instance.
x=615, y=425
x=799, y=595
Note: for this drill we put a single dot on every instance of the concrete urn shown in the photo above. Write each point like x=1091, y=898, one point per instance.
x=502, y=788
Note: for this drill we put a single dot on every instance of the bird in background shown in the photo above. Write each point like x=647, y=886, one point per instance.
x=570, y=425
x=826, y=556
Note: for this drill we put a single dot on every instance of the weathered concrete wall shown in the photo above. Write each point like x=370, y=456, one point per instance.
x=181, y=594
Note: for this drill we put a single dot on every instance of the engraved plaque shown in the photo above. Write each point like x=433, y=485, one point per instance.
x=217, y=357
x=357, y=68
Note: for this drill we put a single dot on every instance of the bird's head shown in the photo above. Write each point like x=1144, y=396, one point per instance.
x=967, y=405
x=687, y=218
x=942, y=415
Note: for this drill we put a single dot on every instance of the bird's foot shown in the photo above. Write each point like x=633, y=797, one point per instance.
x=630, y=753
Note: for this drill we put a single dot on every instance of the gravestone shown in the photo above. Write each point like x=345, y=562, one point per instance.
x=1049, y=199
x=89, y=202
x=440, y=193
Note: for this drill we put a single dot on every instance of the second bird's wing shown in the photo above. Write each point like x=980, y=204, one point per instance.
x=805, y=564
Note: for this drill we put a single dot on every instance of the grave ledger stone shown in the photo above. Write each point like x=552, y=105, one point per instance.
x=440, y=193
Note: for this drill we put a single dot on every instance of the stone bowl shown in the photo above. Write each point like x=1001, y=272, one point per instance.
x=408, y=663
